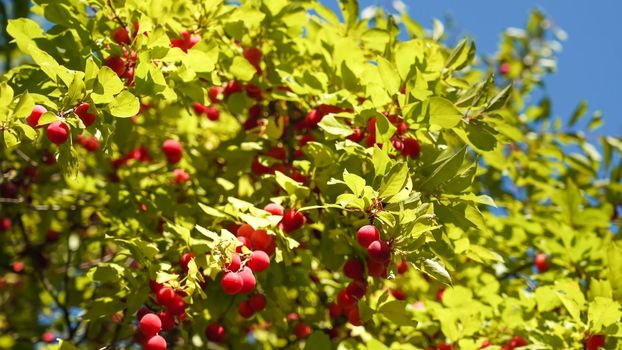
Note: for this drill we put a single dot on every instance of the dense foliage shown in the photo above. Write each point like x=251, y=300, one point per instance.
x=264, y=175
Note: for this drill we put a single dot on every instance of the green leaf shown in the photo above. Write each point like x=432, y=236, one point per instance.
x=108, y=84
x=65, y=345
x=333, y=126
x=374, y=344
x=500, y=99
x=446, y=169
x=459, y=56
x=318, y=340
x=242, y=69
x=443, y=113
x=291, y=186
x=395, y=311
x=437, y=271
x=389, y=75
x=603, y=312
x=124, y=105
x=578, y=113
x=10, y=138
x=24, y=106
x=354, y=182
x=394, y=181
x=614, y=267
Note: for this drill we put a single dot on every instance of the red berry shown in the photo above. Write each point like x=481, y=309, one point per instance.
x=215, y=332
x=17, y=266
x=165, y=296
x=292, y=221
x=214, y=93
x=212, y=113
x=155, y=286
x=593, y=342
x=234, y=264
x=356, y=136
x=245, y=230
x=245, y=310
x=261, y=240
x=504, y=68
x=257, y=302
x=231, y=88
x=402, y=267
x=33, y=118
x=379, y=251
x=185, y=260
x=411, y=148
x=274, y=209
x=516, y=342
x=181, y=176
x=199, y=108
x=177, y=306
x=367, y=234
x=334, y=310
x=168, y=321
x=354, y=316
x=155, y=343
x=117, y=64
x=48, y=337
x=245, y=243
x=57, y=132
x=253, y=56
x=172, y=150
x=186, y=42
x=541, y=262
x=122, y=36
x=259, y=261
x=253, y=91
x=398, y=294
x=142, y=312
x=5, y=224
x=344, y=299
x=150, y=324
x=302, y=330
x=356, y=289
x=231, y=283
x=313, y=118
x=439, y=294
x=376, y=268
x=444, y=346
x=248, y=280
x=485, y=344
x=353, y=269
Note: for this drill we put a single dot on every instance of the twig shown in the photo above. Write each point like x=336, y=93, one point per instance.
x=116, y=16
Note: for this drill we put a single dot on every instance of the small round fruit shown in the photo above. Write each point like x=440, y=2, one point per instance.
x=172, y=150
x=541, y=262
x=248, y=280
x=234, y=264
x=302, y=330
x=58, y=132
x=165, y=296
x=245, y=310
x=155, y=343
x=367, y=234
x=122, y=36
x=356, y=289
x=231, y=283
x=274, y=209
x=379, y=251
x=354, y=269
x=292, y=221
x=257, y=302
x=594, y=342
x=215, y=332
x=259, y=261
x=33, y=118
x=212, y=113
x=82, y=111
x=185, y=260
x=150, y=324
x=168, y=321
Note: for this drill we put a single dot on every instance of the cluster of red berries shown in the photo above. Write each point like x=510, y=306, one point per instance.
x=238, y=274
x=58, y=131
x=378, y=251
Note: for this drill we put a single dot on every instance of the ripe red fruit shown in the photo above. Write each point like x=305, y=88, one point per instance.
x=313, y=118
x=231, y=88
x=231, y=283
x=354, y=317
x=214, y=93
x=516, y=342
x=367, y=234
x=212, y=113
x=122, y=36
x=33, y=118
x=398, y=294
x=234, y=264
x=155, y=343
x=444, y=346
x=356, y=289
x=261, y=240
x=292, y=221
x=165, y=296
x=90, y=143
x=245, y=230
x=376, y=268
x=5, y=224
x=150, y=324
x=439, y=294
x=541, y=262
x=245, y=310
x=344, y=299
x=379, y=251
x=253, y=91
x=245, y=243
x=302, y=330
x=181, y=176
x=252, y=55
x=485, y=344
x=17, y=266
x=259, y=261
x=172, y=150
x=257, y=302
x=155, y=286
x=167, y=319
x=57, y=132
x=178, y=306
x=117, y=64
x=504, y=68
x=274, y=209
x=185, y=260
x=215, y=332
x=356, y=136
x=411, y=148
x=142, y=312
x=353, y=269
x=593, y=342
x=48, y=337
x=199, y=108
x=248, y=280
x=186, y=42
x=334, y=310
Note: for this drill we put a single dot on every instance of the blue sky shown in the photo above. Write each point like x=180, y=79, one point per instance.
x=590, y=65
